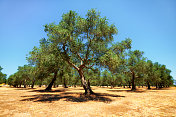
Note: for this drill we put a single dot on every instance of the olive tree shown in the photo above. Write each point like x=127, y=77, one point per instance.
x=2, y=76
x=81, y=40
x=135, y=65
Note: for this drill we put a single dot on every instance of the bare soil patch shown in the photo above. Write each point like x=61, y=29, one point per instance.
x=71, y=102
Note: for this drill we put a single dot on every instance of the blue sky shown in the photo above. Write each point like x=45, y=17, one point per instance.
x=149, y=23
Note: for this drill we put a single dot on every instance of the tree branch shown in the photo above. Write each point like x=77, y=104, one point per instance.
x=68, y=58
x=90, y=67
x=87, y=52
x=77, y=55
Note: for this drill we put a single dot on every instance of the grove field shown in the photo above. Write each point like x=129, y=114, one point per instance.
x=71, y=102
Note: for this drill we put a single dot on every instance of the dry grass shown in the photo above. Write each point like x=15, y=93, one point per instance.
x=71, y=102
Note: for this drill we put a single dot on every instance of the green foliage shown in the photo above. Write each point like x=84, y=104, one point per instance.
x=81, y=39
x=87, y=45
x=2, y=76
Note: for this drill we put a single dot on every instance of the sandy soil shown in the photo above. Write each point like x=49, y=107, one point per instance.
x=70, y=102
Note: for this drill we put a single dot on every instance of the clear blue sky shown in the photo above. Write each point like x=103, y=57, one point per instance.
x=151, y=24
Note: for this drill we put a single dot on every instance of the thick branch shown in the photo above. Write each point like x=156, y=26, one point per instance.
x=68, y=58
x=72, y=64
x=77, y=54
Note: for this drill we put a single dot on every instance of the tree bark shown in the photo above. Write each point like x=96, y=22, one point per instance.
x=160, y=86
x=129, y=85
x=33, y=82
x=85, y=85
x=24, y=83
x=111, y=85
x=54, y=85
x=156, y=86
x=148, y=85
x=133, y=82
x=64, y=84
x=52, y=82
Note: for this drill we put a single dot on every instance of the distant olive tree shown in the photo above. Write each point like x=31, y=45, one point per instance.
x=2, y=76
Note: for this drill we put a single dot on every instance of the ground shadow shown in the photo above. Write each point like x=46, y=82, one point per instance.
x=118, y=90
x=73, y=97
x=22, y=88
x=51, y=91
x=165, y=88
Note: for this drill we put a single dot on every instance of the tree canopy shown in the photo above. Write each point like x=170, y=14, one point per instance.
x=82, y=51
x=2, y=76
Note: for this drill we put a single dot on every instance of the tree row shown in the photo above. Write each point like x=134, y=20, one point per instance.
x=82, y=51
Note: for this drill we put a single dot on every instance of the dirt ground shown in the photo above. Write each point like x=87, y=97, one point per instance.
x=70, y=102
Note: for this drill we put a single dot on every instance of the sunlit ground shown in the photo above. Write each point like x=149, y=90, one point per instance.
x=71, y=102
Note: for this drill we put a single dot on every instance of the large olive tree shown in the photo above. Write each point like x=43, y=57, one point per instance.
x=81, y=40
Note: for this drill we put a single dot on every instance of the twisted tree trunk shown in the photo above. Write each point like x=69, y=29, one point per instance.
x=64, y=84
x=52, y=82
x=156, y=85
x=85, y=85
x=24, y=83
x=33, y=82
x=148, y=85
x=133, y=82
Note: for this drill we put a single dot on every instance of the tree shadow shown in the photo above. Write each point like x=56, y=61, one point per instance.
x=131, y=91
x=42, y=98
x=51, y=91
x=72, y=97
x=165, y=88
x=22, y=88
